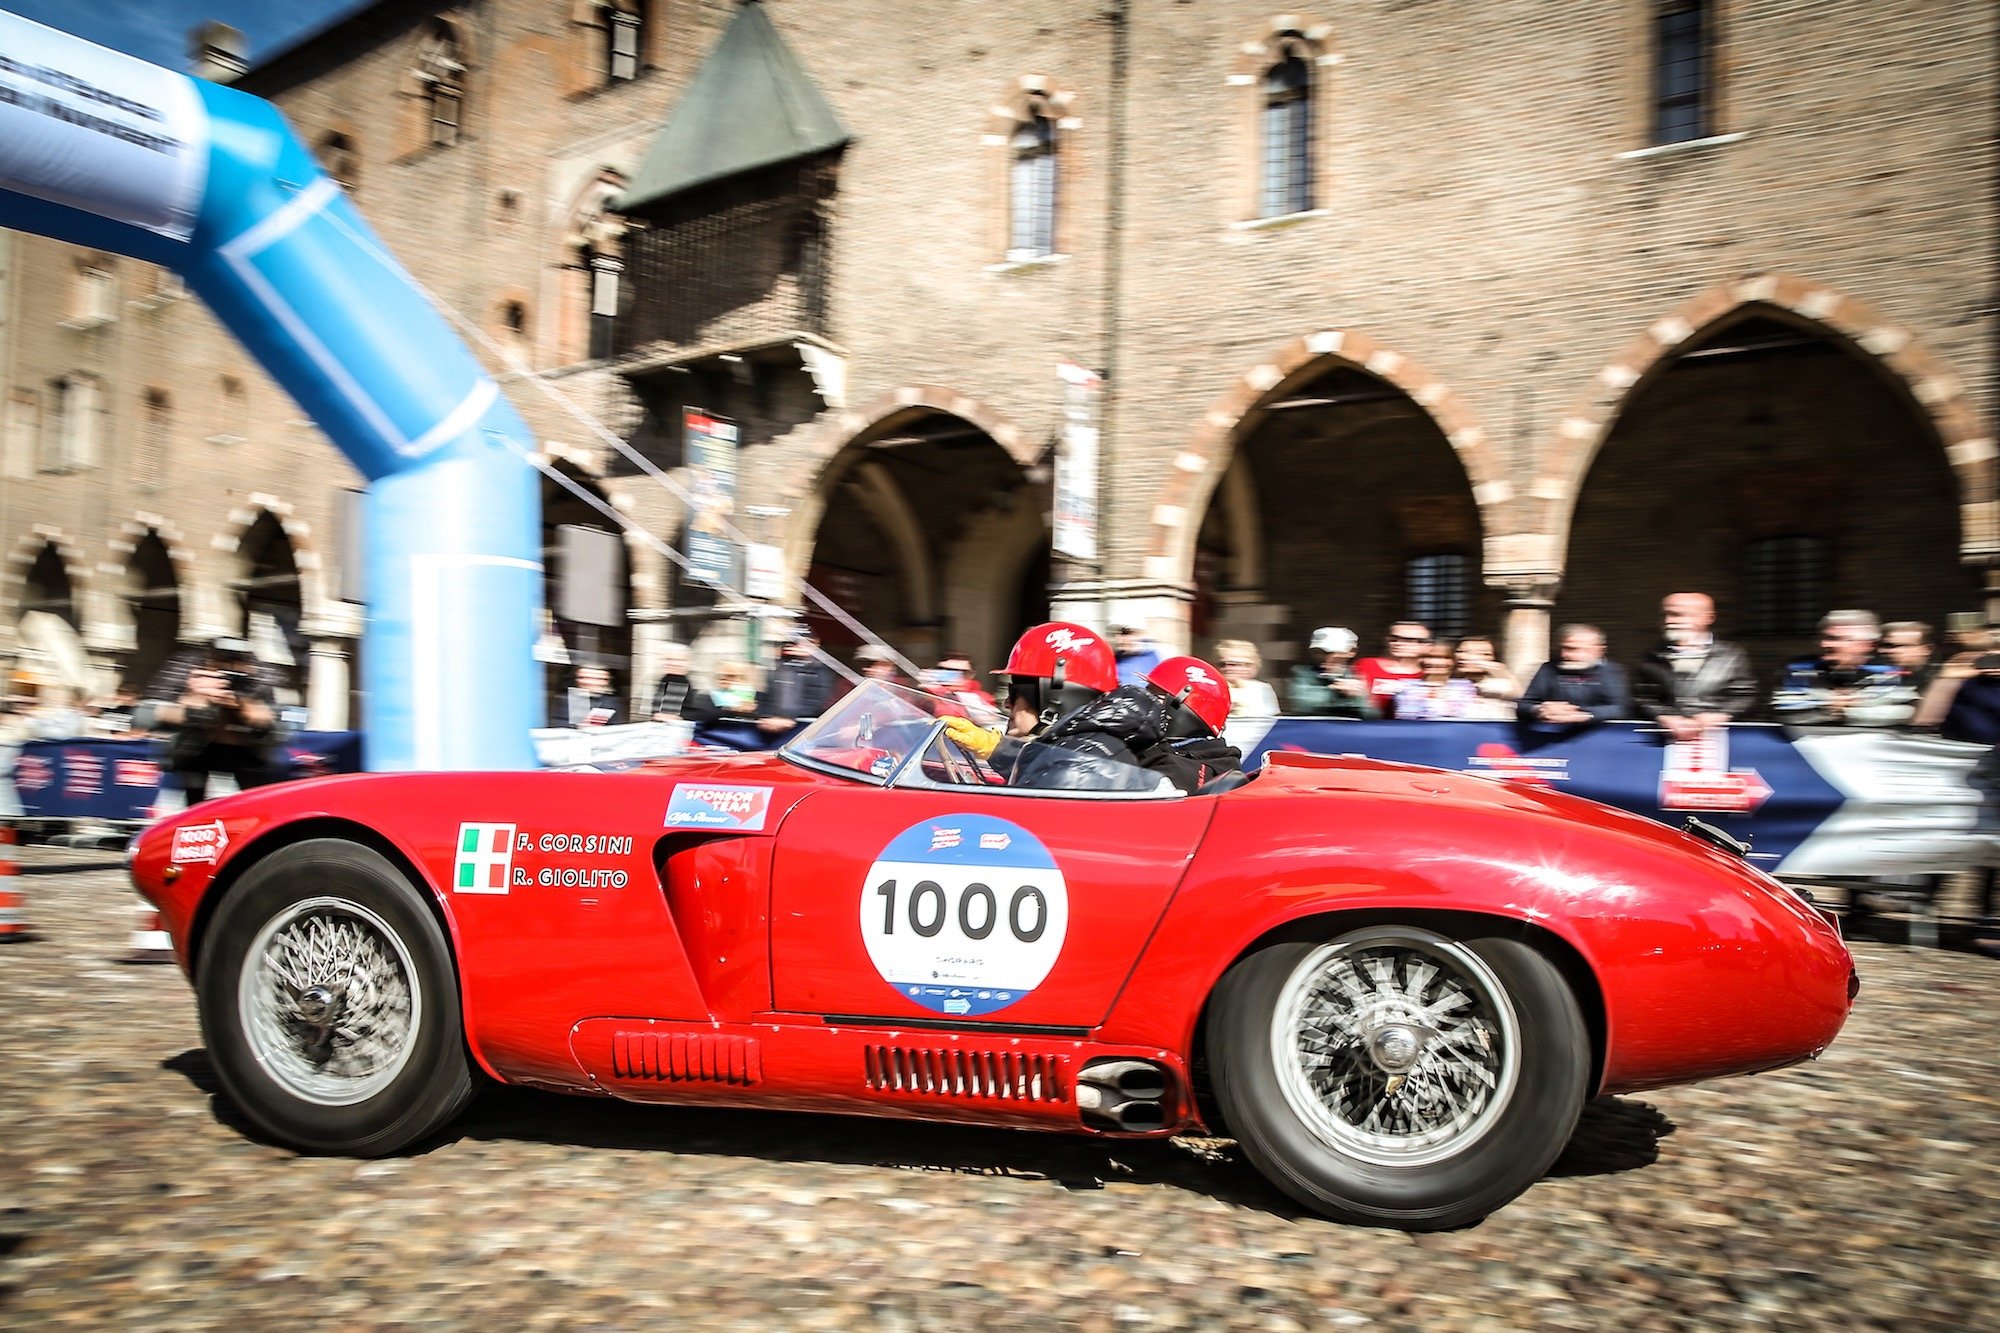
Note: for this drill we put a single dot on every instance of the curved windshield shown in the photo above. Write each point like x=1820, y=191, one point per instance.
x=870, y=732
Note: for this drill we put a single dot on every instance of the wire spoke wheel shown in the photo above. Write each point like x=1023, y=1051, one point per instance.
x=329, y=1005
x=329, y=1002
x=1397, y=1046
x=1398, y=1074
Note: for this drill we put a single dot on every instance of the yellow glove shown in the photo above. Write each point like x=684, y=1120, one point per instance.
x=972, y=736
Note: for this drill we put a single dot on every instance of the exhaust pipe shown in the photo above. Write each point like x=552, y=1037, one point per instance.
x=1123, y=1096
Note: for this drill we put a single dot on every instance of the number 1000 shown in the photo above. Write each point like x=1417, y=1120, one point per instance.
x=978, y=911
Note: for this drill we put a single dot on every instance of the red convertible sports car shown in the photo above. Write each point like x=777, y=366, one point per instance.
x=1394, y=986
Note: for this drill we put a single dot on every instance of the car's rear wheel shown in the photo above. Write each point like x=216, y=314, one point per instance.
x=1397, y=1075
x=329, y=1004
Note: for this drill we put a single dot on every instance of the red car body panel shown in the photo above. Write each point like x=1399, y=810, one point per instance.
x=733, y=964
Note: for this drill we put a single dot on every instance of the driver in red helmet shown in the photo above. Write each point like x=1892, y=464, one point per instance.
x=1053, y=669
x=1134, y=736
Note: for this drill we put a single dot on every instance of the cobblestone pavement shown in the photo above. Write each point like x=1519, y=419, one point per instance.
x=1862, y=1191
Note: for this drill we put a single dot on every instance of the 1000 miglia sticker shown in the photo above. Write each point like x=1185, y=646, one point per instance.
x=964, y=914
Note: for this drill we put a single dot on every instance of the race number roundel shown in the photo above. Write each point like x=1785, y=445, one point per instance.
x=964, y=914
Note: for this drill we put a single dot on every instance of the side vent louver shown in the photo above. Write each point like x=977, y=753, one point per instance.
x=995, y=1075
x=686, y=1057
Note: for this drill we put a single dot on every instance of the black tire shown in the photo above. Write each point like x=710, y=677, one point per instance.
x=343, y=938
x=1299, y=1127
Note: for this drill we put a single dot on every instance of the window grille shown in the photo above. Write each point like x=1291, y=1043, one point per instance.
x=1785, y=581
x=1438, y=593
x=1287, y=176
x=1680, y=71
x=1033, y=189
x=743, y=261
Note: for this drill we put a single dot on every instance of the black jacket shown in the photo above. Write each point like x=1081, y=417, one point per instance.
x=796, y=690
x=1121, y=741
x=677, y=696
x=1600, y=691
x=1722, y=683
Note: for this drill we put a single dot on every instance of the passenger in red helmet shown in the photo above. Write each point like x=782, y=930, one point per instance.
x=1132, y=737
x=1052, y=669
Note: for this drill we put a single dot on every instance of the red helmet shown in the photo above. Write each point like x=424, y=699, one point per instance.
x=1065, y=654
x=1195, y=683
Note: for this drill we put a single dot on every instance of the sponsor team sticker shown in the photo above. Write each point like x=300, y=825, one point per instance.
x=698, y=805
x=964, y=914
x=485, y=861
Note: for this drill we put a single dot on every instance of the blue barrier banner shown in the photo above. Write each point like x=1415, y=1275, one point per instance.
x=1811, y=802
x=121, y=780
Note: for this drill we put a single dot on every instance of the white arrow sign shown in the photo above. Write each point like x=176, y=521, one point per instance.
x=198, y=843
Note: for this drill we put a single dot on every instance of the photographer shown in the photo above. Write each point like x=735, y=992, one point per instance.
x=223, y=719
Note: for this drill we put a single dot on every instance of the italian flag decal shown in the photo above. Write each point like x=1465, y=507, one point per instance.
x=485, y=858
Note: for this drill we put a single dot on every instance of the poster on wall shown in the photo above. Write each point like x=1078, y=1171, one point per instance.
x=711, y=466
x=1075, y=525
x=98, y=131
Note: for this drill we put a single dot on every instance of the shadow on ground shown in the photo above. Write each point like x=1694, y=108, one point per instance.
x=1613, y=1135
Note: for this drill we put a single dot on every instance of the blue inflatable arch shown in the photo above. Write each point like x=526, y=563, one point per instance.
x=104, y=150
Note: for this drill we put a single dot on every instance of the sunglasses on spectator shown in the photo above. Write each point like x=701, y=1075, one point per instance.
x=1409, y=638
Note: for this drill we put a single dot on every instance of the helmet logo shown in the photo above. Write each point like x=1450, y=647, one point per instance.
x=1199, y=677
x=1067, y=641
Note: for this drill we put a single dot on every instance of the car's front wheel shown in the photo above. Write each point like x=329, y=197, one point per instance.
x=1399, y=1076
x=329, y=1004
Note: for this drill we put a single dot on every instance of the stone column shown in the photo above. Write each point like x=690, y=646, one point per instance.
x=327, y=685
x=1529, y=602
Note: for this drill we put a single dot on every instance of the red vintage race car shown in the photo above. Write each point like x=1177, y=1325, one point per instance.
x=1394, y=986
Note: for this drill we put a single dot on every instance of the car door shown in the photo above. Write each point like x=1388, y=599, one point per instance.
x=970, y=906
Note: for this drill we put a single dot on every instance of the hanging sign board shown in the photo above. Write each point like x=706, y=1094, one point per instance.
x=711, y=465
x=1075, y=525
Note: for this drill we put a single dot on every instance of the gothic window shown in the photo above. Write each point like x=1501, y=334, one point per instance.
x=624, y=28
x=156, y=428
x=604, y=274
x=341, y=160
x=1287, y=185
x=1680, y=71
x=1032, y=182
x=75, y=423
x=441, y=74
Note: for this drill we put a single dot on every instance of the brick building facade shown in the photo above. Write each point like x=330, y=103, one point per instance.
x=1401, y=307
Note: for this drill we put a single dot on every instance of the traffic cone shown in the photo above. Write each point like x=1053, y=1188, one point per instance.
x=150, y=941
x=13, y=906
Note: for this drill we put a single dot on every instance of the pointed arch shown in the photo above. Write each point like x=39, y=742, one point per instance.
x=1184, y=496
x=1937, y=393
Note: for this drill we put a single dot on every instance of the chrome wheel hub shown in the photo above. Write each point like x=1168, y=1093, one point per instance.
x=1396, y=1045
x=329, y=1001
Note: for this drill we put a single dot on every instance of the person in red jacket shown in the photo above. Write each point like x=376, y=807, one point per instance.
x=1387, y=677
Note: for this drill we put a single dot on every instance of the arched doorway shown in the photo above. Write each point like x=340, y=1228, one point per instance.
x=1775, y=465
x=586, y=586
x=1342, y=503
x=47, y=587
x=153, y=597
x=930, y=534
x=269, y=603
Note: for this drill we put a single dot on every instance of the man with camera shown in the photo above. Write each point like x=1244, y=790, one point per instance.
x=1846, y=685
x=223, y=719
